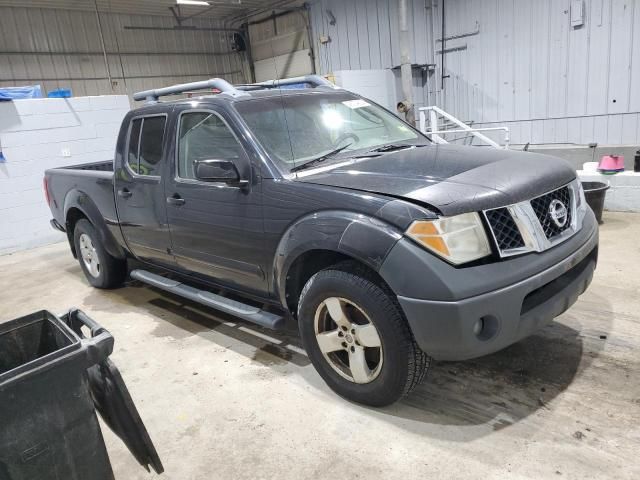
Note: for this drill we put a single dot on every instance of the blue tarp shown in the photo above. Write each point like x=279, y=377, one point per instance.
x=14, y=93
x=60, y=93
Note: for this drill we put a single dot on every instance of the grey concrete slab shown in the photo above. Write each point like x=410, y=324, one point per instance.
x=223, y=399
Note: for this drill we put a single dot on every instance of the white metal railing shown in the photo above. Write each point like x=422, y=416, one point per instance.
x=436, y=134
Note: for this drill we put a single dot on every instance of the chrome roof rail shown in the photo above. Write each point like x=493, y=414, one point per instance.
x=226, y=88
x=217, y=83
x=315, y=80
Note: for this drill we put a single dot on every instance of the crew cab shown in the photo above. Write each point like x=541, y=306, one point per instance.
x=295, y=198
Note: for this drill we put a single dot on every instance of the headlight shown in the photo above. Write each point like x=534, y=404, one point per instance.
x=458, y=239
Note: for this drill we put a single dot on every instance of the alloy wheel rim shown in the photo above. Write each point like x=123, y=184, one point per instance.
x=348, y=340
x=89, y=255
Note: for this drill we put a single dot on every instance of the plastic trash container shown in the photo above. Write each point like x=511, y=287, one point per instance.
x=594, y=193
x=52, y=379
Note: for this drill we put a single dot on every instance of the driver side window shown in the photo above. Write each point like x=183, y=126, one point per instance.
x=204, y=136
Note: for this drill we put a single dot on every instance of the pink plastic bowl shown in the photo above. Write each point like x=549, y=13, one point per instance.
x=611, y=164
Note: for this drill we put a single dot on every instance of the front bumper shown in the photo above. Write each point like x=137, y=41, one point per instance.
x=472, y=326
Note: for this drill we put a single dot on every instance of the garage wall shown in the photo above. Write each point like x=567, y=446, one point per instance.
x=518, y=62
x=551, y=82
x=280, y=46
x=62, y=48
x=363, y=35
x=43, y=133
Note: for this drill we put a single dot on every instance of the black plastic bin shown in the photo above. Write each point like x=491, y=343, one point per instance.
x=594, y=193
x=52, y=379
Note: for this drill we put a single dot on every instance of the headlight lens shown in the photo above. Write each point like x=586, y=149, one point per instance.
x=458, y=239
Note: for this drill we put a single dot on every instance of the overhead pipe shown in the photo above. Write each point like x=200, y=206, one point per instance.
x=104, y=48
x=442, y=52
x=183, y=28
x=277, y=14
x=433, y=88
x=406, y=73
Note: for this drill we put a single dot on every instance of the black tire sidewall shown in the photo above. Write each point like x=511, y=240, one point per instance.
x=381, y=309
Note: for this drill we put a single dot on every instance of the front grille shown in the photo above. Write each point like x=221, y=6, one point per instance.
x=534, y=225
x=541, y=206
x=504, y=229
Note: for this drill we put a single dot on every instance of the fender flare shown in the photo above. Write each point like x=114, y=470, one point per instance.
x=365, y=238
x=81, y=201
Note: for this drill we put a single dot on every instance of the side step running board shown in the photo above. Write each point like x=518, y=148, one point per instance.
x=246, y=312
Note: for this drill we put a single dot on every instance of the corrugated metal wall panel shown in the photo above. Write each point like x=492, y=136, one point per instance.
x=527, y=67
x=62, y=48
x=365, y=34
x=364, y=37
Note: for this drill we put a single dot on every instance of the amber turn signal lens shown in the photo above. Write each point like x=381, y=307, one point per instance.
x=458, y=239
x=427, y=234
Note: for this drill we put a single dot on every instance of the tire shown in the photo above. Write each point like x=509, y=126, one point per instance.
x=392, y=370
x=101, y=269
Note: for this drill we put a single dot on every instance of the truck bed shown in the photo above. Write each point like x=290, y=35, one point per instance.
x=93, y=181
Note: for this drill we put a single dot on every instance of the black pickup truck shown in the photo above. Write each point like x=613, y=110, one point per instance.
x=317, y=204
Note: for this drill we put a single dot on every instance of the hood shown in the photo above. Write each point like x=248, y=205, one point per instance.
x=451, y=179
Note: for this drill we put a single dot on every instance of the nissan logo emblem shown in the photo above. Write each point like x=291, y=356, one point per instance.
x=558, y=213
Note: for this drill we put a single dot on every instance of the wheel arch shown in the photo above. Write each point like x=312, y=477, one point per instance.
x=322, y=239
x=78, y=205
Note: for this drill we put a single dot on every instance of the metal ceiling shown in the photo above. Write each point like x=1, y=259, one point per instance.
x=221, y=9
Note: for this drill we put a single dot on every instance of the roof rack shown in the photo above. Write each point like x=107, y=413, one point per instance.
x=315, y=80
x=226, y=88
x=217, y=83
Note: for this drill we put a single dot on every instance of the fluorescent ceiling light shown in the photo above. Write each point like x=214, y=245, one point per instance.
x=193, y=2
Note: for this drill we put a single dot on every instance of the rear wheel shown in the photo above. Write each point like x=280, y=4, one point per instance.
x=357, y=338
x=101, y=269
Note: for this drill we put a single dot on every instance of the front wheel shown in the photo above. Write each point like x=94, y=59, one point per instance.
x=101, y=269
x=357, y=338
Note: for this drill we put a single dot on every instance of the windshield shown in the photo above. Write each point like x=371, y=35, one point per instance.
x=298, y=128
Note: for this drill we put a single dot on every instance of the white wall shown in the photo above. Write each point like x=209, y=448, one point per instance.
x=62, y=48
x=378, y=85
x=46, y=133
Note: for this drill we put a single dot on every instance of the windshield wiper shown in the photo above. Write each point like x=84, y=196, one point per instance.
x=391, y=147
x=320, y=159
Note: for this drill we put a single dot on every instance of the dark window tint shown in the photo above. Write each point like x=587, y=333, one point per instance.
x=151, y=145
x=134, y=142
x=204, y=136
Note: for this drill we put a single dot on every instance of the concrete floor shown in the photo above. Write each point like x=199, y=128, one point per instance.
x=223, y=399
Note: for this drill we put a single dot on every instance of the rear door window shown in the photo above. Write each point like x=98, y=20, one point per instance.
x=146, y=145
x=134, y=144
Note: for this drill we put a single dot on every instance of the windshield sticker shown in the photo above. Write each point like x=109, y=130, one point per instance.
x=353, y=104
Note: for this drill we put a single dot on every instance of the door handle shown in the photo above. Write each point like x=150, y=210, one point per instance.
x=124, y=193
x=176, y=200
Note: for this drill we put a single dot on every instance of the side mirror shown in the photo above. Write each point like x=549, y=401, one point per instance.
x=218, y=171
